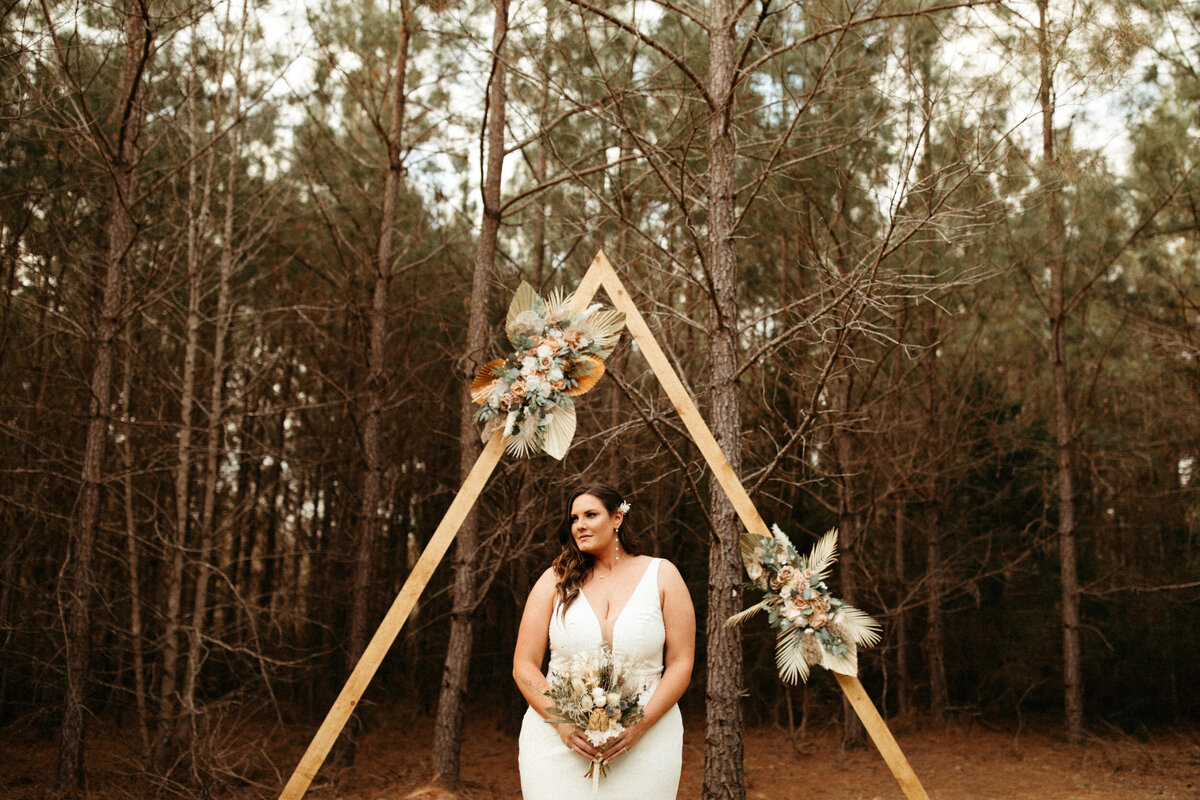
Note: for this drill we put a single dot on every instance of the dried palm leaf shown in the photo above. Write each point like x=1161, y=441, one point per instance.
x=847, y=665
x=589, y=370
x=525, y=299
x=558, y=304
x=789, y=656
x=852, y=625
x=560, y=431
x=526, y=439
x=742, y=616
x=604, y=328
x=749, y=542
x=822, y=556
x=485, y=379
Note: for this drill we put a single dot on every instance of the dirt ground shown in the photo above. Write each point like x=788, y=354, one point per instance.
x=392, y=764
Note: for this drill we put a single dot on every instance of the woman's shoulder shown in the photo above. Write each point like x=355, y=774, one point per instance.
x=648, y=563
x=545, y=585
x=669, y=576
x=664, y=564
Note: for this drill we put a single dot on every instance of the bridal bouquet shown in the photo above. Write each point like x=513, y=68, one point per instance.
x=815, y=628
x=558, y=356
x=598, y=692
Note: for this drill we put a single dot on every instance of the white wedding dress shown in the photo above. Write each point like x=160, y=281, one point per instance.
x=650, y=770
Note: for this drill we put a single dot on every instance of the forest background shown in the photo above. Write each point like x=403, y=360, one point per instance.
x=930, y=270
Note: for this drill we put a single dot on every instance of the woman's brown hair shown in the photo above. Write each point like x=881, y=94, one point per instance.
x=573, y=565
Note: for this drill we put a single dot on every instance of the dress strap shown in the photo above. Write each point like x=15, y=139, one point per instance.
x=652, y=570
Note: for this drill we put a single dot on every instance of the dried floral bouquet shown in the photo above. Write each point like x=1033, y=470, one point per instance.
x=598, y=692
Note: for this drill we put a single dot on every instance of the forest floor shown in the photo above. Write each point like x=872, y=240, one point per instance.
x=957, y=763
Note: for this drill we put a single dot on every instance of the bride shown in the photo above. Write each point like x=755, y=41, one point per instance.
x=601, y=590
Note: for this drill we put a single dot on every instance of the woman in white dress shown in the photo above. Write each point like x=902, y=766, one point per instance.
x=600, y=590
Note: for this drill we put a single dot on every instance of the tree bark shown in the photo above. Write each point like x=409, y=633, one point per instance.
x=539, y=169
x=169, y=734
x=724, y=778
x=216, y=400
x=447, y=737
x=120, y=155
x=1064, y=422
x=848, y=529
x=375, y=385
x=900, y=625
x=133, y=556
x=935, y=636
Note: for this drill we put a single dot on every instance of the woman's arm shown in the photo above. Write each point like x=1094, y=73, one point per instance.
x=679, y=653
x=533, y=637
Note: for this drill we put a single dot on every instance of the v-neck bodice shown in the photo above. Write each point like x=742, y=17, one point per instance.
x=599, y=619
x=638, y=631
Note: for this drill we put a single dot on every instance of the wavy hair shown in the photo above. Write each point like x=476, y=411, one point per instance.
x=573, y=565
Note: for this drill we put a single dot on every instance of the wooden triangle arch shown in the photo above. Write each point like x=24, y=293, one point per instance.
x=600, y=273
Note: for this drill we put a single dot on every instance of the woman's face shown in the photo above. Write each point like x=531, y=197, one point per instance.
x=592, y=527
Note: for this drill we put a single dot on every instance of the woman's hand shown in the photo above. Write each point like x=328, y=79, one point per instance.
x=619, y=745
x=575, y=739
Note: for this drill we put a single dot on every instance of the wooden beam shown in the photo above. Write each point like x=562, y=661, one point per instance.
x=692, y=420
x=396, y=616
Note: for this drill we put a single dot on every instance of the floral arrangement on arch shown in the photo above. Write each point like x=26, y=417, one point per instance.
x=815, y=628
x=558, y=356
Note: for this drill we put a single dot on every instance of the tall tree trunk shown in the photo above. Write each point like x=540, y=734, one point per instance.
x=133, y=555
x=900, y=624
x=935, y=637
x=376, y=380
x=120, y=156
x=213, y=434
x=447, y=736
x=724, y=778
x=845, y=449
x=170, y=734
x=272, y=551
x=539, y=169
x=1064, y=422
